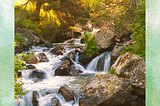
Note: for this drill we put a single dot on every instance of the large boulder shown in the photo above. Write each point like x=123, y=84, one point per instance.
x=66, y=92
x=33, y=59
x=132, y=67
x=105, y=90
x=105, y=39
x=42, y=57
x=58, y=50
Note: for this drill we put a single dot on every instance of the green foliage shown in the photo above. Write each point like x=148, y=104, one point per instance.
x=19, y=38
x=130, y=86
x=25, y=20
x=112, y=71
x=18, y=22
x=18, y=92
x=138, y=32
x=85, y=89
x=91, y=47
x=18, y=60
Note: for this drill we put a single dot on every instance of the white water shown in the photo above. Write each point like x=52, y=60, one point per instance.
x=52, y=83
x=100, y=63
x=77, y=58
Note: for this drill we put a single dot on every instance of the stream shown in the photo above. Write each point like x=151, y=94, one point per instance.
x=51, y=84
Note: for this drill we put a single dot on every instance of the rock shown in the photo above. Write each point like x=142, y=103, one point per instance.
x=131, y=43
x=115, y=52
x=66, y=67
x=31, y=66
x=104, y=38
x=33, y=59
x=48, y=43
x=55, y=101
x=35, y=96
x=76, y=34
x=83, y=40
x=83, y=58
x=66, y=92
x=30, y=38
x=37, y=74
x=57, y=50
x=63, y=65
x=42, y=57
x=105, y=90
x=132, y=67
x=86, y=28
x=123, y=35
x=71, y=54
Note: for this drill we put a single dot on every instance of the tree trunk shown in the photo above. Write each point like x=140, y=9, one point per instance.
x=35, y=15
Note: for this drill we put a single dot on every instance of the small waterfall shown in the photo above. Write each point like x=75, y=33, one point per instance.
x=77, y=58
x=100, y=63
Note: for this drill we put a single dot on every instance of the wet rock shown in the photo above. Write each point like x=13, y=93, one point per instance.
x=55, y=101
x=68, y=59
x=31, y=67
x=83, y=40
x=37, y=74
x=35, y=96
x=62, y=67
x=66, y=67
x=71, y=54
x=66, y=92
x=105, y=90
x=83, y=58
x=33, y=59
x=104, y=38
x=132, y=67
x=116, y=51
x=57, y=50
x=42, y=57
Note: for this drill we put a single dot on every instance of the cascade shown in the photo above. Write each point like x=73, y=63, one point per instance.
x=100, y=63
x=50, y=84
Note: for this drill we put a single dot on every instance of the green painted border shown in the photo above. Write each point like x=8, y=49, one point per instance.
x=152, y=53
x=6, y=53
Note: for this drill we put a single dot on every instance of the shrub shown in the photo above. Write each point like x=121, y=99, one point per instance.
x=138, y=32
x=112, y=71
x=91, y=47
x=18, y=60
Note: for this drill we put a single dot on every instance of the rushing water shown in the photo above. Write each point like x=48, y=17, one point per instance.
x=51, y=84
